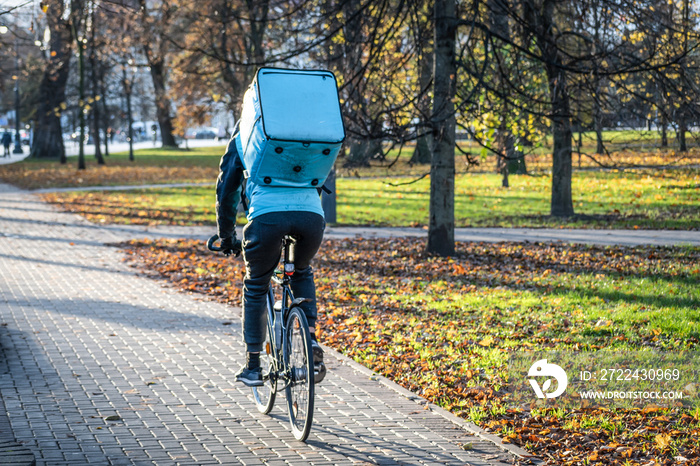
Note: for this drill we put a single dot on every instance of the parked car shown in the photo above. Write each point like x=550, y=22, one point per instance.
x=205, y=133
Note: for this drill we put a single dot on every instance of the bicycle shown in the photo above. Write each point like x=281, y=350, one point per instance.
x=287, y=357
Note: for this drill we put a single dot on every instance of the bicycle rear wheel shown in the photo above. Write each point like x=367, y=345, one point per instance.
x=265, y=396
x=299, y=360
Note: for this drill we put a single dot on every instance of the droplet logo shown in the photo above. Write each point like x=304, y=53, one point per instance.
x=542, y=368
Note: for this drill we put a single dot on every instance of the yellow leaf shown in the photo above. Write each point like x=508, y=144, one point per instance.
x=487, y=341
x=663, y=441
x=651, y=408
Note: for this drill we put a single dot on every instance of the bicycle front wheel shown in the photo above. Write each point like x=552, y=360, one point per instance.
x=299, y=360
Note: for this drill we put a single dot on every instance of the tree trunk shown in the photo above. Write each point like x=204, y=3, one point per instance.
x=95, y=94
x=442, y=168
x=597, y=113
x=328, y=200
x=682, y=129
x=507, y=159
x=579, y=145
x=360, y=152
x=48, y=136
x=518, y=165
x=155, y=49
x=81, y=104
x=422, y=154
x=682, y=113
x=105, y=117
x=163, y=105
x=503, y=167
x=126, y=82
x=600, y=147
x=498, y=19
x=561, y=204
x=664, y=130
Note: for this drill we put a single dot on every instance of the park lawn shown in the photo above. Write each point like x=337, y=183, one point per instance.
x=649, y=199
x=150, y=166
x=630, y=199
x=445, y=327
x=195, y=165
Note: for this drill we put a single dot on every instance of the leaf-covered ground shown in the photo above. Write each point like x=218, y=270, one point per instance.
x=443, y=328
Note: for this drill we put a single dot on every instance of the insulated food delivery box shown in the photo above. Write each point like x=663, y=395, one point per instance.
x=291, y=127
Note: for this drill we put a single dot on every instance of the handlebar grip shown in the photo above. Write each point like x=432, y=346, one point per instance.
x=235, y=249
x=210, y=244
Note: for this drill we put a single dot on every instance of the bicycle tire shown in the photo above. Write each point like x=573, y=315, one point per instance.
x=298, y=358
x=265, y=396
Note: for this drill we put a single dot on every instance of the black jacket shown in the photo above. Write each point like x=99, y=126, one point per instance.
x=228, y=190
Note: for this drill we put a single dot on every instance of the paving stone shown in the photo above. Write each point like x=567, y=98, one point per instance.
x=86, y=337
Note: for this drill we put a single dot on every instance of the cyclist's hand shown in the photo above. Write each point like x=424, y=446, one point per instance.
x=230, y=246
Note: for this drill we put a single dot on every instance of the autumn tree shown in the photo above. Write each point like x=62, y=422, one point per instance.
x=600, y=40
x=150, y=27
x=375, y=48
x=51, y=98
x=216, y=69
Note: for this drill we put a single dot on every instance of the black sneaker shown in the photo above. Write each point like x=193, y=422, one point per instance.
x=319, y=366
x=250, y=377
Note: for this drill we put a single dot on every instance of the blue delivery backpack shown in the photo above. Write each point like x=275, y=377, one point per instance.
x=291, y=127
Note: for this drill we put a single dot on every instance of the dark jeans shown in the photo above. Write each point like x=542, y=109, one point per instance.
x=262, y=243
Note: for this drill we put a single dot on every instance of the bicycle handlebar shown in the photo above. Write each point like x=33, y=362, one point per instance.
x=236, y=250
x=210, y=244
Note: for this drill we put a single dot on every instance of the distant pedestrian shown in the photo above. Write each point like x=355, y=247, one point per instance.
x=6, y=141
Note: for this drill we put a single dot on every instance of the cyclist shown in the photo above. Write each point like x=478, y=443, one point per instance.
x=272, y=213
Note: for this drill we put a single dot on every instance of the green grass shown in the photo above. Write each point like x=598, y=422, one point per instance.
x=156, y=157
x=606, y=308
x=668, y=199
x=646, y=200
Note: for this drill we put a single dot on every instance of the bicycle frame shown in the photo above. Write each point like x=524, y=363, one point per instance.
x=278, y=311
